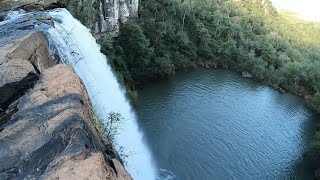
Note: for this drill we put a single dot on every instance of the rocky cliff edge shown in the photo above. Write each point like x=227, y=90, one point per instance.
x=103, y=17
x=47, y=130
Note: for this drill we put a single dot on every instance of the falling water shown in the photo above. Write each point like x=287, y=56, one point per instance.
x=76, y=46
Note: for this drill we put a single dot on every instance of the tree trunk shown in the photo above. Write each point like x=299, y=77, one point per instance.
x=184, y=17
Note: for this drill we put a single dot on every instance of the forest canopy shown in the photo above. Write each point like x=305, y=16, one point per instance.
x=277, y=48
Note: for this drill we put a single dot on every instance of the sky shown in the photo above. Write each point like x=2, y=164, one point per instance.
x=306, y=9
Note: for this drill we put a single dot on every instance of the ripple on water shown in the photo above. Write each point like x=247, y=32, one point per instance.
x=218, y=125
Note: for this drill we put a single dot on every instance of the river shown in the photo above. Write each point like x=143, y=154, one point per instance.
x=214, y=124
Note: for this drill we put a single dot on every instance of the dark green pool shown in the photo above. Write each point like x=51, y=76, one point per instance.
x=214, y=124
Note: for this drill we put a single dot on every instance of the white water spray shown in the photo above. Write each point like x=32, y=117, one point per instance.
x=77, y=47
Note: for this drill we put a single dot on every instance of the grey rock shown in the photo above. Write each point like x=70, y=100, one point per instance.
x=16, y=77
x=246, y=74
x=52, y=135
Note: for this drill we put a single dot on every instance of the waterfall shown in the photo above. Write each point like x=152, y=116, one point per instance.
x=77, y=47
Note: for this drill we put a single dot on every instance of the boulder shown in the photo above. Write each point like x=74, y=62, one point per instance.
x=32, y=47
x=14, y=71
x=52, y=134
x=246, y=74
x=16, y=77
x=22, y=59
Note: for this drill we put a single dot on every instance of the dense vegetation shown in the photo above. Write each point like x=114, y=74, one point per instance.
x=247, y=35
x=278, y=49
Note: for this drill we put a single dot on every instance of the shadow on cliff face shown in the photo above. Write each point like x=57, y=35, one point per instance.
x=34, y=158
x=22, y=60
x=51, y=129
x=12, y=91
x=24, y=57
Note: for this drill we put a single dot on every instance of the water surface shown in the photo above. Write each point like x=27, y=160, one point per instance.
x=214, y=124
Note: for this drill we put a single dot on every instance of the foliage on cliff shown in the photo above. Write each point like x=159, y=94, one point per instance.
x=170, y=35
x=277, y=48
x=85, y=11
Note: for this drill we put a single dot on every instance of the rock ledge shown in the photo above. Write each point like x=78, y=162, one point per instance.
x=47, y=129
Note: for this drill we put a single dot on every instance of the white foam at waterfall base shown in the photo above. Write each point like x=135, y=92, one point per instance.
x=77, y=47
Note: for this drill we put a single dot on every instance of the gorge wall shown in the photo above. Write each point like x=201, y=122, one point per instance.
x=102, y=16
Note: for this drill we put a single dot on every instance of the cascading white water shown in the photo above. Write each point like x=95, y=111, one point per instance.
x=77, y=47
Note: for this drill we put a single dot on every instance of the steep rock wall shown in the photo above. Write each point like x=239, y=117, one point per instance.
x=103, y=16
x=47, y=129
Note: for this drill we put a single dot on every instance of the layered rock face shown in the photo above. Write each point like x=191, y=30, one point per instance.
x=113, y=13
x=103, y=16
x=47, y=130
